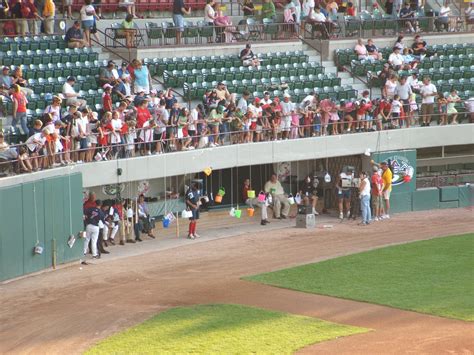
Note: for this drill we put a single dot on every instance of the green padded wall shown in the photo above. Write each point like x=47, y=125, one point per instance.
x=40, y=211
x=448, y=193
x=448, y=204
x=33, y=225
x=11, y=232
x=401, y=202
x=466, y=196
x=425, y=199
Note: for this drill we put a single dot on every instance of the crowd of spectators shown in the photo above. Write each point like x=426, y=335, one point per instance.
x=135, y=119
x=399, y=92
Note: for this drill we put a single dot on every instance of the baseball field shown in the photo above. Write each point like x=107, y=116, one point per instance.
x=403, y=285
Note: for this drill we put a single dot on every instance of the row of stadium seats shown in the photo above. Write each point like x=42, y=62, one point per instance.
x=439, y=76
x=32, y=43
x=48, y=56
x=197, y=90
x=178, y=78
x=38, y=102
x=359, y=67
x=159, y=65
x=55, y=85
x=43, y=71
x=346, y=56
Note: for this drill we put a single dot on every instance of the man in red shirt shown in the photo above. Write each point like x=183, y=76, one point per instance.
x=377, y=199
x=382, y=113
x=30, y=12
x=19, y=108
x=145, y=127
x=364, y=107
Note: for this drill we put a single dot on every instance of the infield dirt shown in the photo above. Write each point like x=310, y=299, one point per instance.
x=68, y=310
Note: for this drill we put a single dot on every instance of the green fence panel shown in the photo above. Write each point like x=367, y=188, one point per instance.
x=466, y=196
x=11, y=259
x=33, y=225
x=49, y=219
x=425, y=199
x=44, y=210
x=448, y=204
x=72, y=207
x=448, y=193
x=401, y=202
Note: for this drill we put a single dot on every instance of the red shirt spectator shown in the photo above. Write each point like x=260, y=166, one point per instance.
x=90, y=203
x=377, y=184
x=9, y=28
x=28, y=10
x=364, y=108
x=107, y=98
x=383, y=106
x=21, y=101
x=143, y=115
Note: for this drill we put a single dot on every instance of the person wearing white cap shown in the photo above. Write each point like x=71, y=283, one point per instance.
x=107, y=103
x=287, y=107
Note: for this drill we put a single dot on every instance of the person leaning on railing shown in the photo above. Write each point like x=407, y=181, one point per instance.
x=49, y=11
x=319, y=20
x=268, y=10
x=179, y=10
x=248, y=8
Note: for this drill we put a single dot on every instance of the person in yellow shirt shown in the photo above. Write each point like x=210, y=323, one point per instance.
x=387, y=177
x=387, y=187
x=49, y=11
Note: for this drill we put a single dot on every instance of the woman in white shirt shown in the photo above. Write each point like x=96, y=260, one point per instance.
x=209, y=12
x=443, y=18
x=364, y=195
x=390, y=86
x=308, y=6
x=88, y=18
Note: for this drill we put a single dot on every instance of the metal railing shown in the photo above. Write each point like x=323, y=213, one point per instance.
x=178, y=141
x=451, y=178
x=366, y=25
x=163, y=34
x=32, y=27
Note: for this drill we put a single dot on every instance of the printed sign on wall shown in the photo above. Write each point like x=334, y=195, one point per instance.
x=403, y=166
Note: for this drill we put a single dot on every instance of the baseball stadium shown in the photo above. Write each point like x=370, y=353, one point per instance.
x=236, y=177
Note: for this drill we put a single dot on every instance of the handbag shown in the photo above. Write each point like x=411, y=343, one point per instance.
x=186, y=214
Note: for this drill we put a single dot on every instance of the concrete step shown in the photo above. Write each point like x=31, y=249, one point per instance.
x=330, y=69
x=104, y=56
x=347, y=81
x=359, y=87
x=343, y=75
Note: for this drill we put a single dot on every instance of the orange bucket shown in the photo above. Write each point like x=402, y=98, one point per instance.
x=218, y=199
x=250, y=211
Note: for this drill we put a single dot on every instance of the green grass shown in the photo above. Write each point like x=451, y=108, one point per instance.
x=434, y=276
x=222, y=329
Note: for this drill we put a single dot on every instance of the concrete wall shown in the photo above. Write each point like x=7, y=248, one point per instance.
x=180, y=163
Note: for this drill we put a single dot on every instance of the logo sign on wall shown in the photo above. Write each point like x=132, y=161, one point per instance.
x=143, y=187
x=112, y=190
x=402, y=169
x=283, y=170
